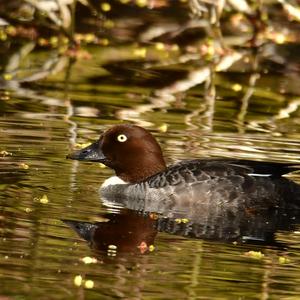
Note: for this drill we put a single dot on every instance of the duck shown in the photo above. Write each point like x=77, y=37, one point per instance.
x=212, y=188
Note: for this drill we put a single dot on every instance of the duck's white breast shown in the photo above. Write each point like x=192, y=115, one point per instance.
x=112, y=181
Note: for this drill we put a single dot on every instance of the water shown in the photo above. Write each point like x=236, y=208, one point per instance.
x=40, y=255
x=52, y=220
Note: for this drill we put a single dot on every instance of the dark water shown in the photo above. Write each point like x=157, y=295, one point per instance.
x=52, y=221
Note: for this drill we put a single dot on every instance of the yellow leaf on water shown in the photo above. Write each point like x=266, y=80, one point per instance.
x=140, y=52
x=24, y=166
x=78, y=280
x=151, y=248
x=89, y=284
x=89, y=260
x=236, y=87
x=7, y=76
x=160, y=46
x=105, y=6
x=44, y=199
x=283, y=260
x=141, y=3
x=255, y=254
x=184, y=220
x=163, y=128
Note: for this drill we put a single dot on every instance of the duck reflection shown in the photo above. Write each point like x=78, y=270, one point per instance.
x=127, y=231
x=132, y=231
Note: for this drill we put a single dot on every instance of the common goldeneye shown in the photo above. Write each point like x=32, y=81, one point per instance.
x=210, y=188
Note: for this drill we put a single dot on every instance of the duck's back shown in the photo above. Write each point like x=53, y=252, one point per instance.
x=211, y=188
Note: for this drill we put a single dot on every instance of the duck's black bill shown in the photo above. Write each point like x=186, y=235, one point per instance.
x=89, y=153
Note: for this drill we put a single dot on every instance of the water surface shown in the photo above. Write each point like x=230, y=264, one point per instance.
x=45, y=200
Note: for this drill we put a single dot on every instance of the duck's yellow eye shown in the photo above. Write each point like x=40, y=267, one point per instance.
x=122, y=138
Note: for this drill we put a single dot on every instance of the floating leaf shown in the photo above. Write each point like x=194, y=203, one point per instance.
x=163, y=128
x=89, y=284
x=89, y=260
x=23, y=166
x=283, y=260
x=78, y=280
x=255, y=254
x=151, y=248
x=44, y=199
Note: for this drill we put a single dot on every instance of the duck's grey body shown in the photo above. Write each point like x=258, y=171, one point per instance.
x=210, y=188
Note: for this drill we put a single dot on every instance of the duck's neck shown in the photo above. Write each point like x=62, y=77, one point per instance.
x=140, y=172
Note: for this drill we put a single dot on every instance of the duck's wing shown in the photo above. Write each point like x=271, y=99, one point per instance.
x=197, y=171
x=224, y=167
x=274, y=169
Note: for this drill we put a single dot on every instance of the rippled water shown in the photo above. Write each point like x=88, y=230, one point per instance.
x=42, y=193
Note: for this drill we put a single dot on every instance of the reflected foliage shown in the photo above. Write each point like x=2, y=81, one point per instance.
x=227, y=48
